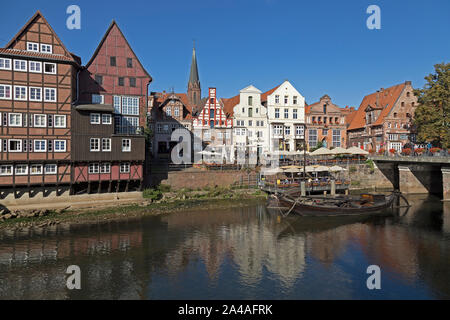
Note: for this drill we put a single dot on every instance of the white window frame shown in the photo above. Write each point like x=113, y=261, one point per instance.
x=105, y=165
x=96, y=142
x=5, y=97
x=98, y=99
x=14, y=124
x=22, y=62
x=40, y=94
x=45, y=45
x=35, y=63
x=125, y=165
x=59, y=116
x=36, y=166
x=96, y=115
x=6, y=166
x=109, y=144
x=21, y=173
x=94, y=168
x=51, y=165
x=106, y=116
x=21, y=88
x=53, y=64
x=45, y=94
x=35, y=121
x=4, y=64
x=117, y=103
x=55, y=148
x=34, y=44
x=126, y=148
x=39, y=150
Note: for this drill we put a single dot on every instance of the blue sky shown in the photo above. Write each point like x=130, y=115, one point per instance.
x=321, y=46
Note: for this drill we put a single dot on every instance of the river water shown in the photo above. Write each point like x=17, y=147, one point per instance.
x=243, y=253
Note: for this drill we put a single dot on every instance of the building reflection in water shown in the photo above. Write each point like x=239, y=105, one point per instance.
x=121, y=260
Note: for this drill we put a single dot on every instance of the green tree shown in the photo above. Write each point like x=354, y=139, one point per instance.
x=432, y=116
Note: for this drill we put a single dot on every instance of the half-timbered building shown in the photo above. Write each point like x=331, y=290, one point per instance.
x=109, y=118
x=37, y=88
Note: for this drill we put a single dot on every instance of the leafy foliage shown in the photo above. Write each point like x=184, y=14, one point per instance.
x=432, y=116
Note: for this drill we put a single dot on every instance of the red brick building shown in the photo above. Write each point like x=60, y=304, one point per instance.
x=37, y=88
x=326, y=124
x=384, y=119
x=109, y=118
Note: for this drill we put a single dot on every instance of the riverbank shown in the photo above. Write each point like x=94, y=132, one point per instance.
x=155, y=202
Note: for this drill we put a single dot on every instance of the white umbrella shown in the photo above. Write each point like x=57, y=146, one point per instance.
x=357, y=151
x=339, y=150
x=271, y=171
x=322, y=152
x=336, y=169
x=321, y=169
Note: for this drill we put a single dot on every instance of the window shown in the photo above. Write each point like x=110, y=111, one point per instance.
x=286, y=113
x=324, y=132
x=5, y=64
x=287, y=131
x=116, y=102
x=50, y=94
x=32, y=46
x=168, y=111
x=133, y=82
x=277, y=99
x=5, y=91
x=126, y=145
x=211, y=113
x=49, y=68
x=35, y=94
x=99, y=79
x=125, y=168
x=94, y=145
x=60, y=121
x=50, y=169
x=40, y=120
x=295, y=114
x=250, y=101
x=106, y=118
x=60, y=145
x=278, y=130
x=336, y=138
x=312, y=138
x=97, y=99
x=294, y=100
x=176, y=112
x=121, y=81
x=15, y=120
x=286, y=99
x=94, y=168
x=46, y=48
x=35, y=67
x=21, y=169
x=106, y=144
x=36, y=169
x=105, y=168
x=95, y=118
x=20, y=93
x=130, y=105
x=40, y=145
x=20, y=65
x=5, y=170
x=277, y=113
x=15, y=145
x=112, y=61
x=129, y=63
x=299, y=130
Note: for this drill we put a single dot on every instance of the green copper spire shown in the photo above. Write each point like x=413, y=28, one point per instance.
x=193, y=78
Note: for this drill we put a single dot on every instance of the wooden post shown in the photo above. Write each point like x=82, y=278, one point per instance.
x=333, y=188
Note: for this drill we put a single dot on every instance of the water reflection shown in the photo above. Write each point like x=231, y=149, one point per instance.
x=234, y=254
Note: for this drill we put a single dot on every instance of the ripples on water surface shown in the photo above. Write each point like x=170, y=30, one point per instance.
x=243, y=253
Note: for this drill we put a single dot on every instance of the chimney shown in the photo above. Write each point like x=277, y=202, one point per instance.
x=378, y=98
x=408, y=83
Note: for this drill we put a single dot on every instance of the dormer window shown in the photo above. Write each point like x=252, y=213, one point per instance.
x=32, y=46
x=46, y=48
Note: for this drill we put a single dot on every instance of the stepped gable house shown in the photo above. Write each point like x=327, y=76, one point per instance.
x=109, y=118
x=384, y=119
x=37, y=88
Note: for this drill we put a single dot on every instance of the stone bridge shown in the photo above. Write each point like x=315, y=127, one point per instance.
x=417, y=174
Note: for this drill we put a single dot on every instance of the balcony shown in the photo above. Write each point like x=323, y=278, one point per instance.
x=129, y=130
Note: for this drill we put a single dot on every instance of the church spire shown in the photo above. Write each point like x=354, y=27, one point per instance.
x=194, y=89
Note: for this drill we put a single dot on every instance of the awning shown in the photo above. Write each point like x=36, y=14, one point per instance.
x=95, y=107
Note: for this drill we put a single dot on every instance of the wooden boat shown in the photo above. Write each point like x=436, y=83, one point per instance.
x=364, y=204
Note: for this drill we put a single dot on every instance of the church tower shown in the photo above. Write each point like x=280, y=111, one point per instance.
x=194, y=89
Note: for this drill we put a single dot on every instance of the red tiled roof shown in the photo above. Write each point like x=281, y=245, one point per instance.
x=386, y=100
x=268, y=93
x=47, y=56
x=229, y=104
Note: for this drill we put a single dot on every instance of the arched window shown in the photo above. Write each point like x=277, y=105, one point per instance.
x=250, y=101
x=395, y=114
